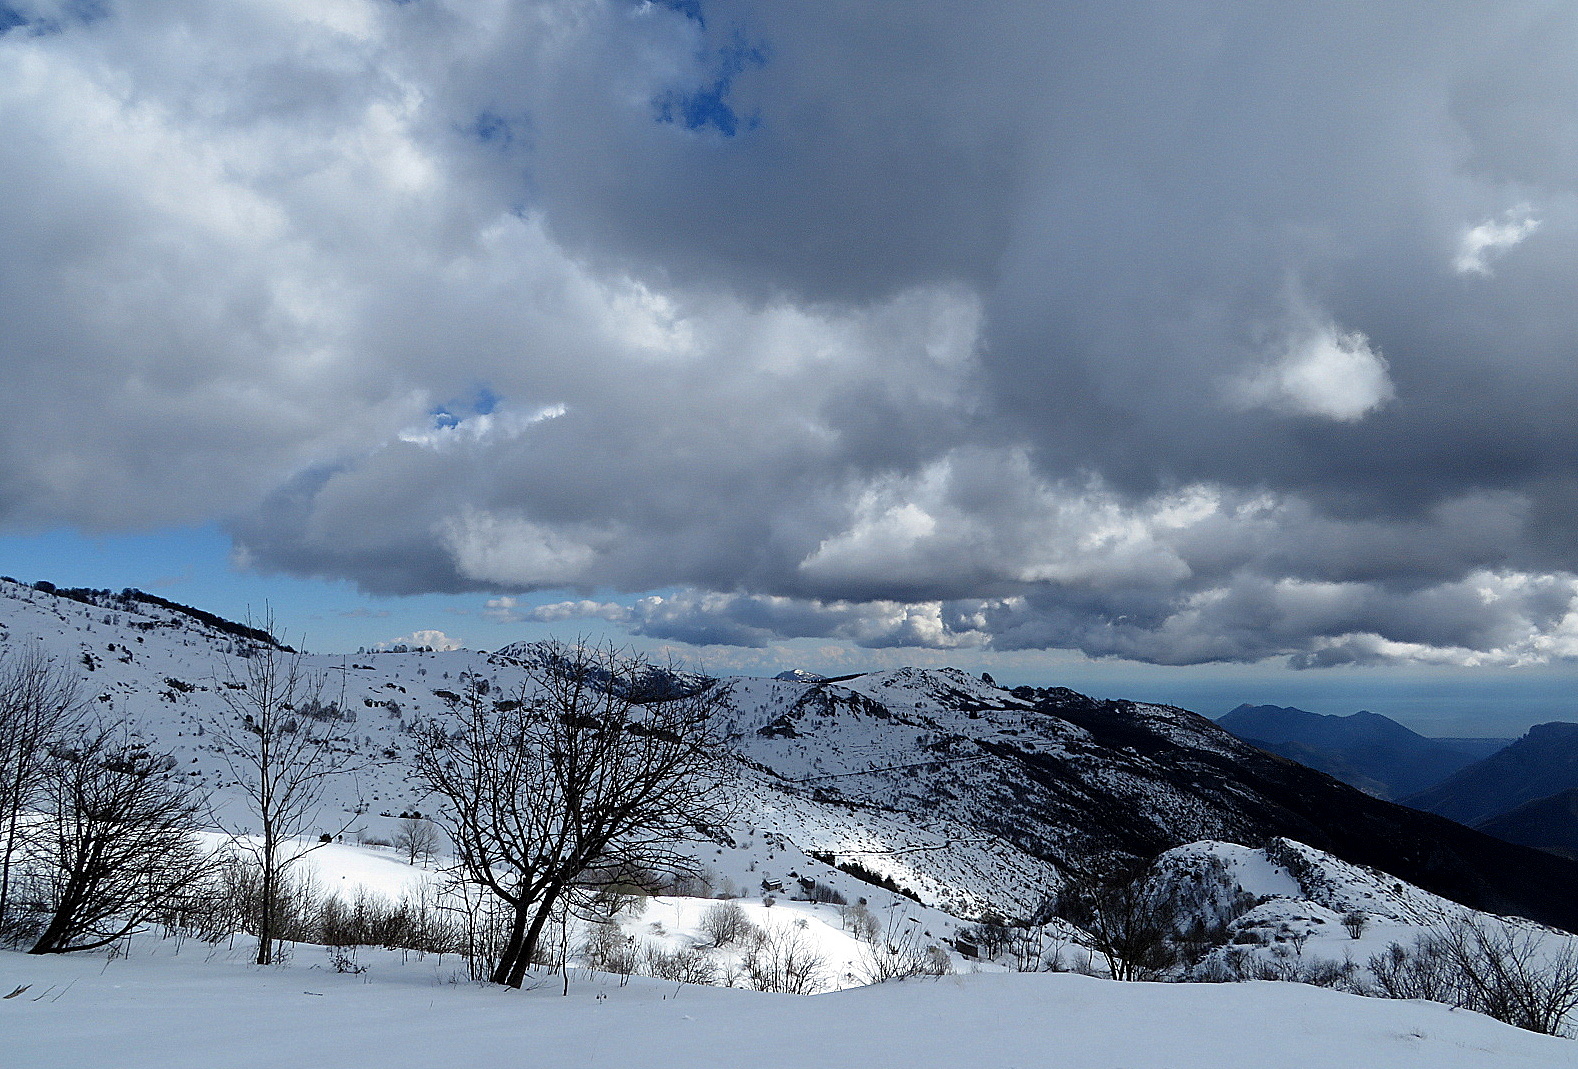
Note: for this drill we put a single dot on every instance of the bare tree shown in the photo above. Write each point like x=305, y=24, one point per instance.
x=601, y=765
x=900, y=953
x=782, y=958
x=724, y=923
x=416, y=839
x=281, y=744
x=1129, y=927
x=1524, y=976
x=117, y=842
x=39, y=706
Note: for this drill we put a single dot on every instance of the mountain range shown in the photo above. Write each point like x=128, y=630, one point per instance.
x=1544, y=762
x=972, y=798
x=1370, y=751
x=1549, y=823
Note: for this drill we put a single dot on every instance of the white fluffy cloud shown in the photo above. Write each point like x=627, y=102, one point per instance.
x=1323, y=371
x=423, y=639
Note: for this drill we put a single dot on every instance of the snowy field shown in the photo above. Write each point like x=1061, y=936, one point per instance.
x=202, y=1009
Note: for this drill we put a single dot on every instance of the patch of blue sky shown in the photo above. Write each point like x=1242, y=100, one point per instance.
x=481, y=402
x=72, y=12
x=708, y=105
x=195, y=566
x=691, y=9
x=500, y=131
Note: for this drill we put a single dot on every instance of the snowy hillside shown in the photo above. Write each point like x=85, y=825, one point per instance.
x=886, y=814
x=973, y=799
x=197, y=1009
x=963, y=795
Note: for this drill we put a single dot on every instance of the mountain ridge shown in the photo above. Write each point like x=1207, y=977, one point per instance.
x=976, y=799
x=1541, y=763
x=1370, y=751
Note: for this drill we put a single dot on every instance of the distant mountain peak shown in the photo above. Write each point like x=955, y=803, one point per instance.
x=799, y=675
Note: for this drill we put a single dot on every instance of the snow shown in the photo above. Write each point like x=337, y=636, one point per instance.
x=197, y=1009
x=826, y=767
x=1301, y=917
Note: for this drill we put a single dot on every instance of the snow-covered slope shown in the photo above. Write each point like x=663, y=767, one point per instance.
x=924, y=801
x=198, y=1009
x=975, y=800
x=1282, y=908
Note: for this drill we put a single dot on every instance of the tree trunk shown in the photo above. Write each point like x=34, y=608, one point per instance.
x=269, y=892
x=512, y=948
x=58, y=932
x=15, y=803
x=517, y=974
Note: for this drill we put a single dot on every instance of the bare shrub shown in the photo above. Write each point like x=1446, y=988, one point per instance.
x=603, y=940
x=724, y=923
x=783, y=959
x=860, y=922
x=1355, y=921
x=902, y=954
x=1522, y=976
x=413, y=922
x=608, y=949
x=686, y=965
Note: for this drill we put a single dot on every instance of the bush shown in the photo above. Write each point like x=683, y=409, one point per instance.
x=1525, y=977
x=783, y=959
x=607, y=949
x=902, y=955
x=724, y=923
x=686, y=965
x=860, y=922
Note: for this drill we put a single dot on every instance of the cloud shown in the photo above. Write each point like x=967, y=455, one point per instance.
x=510, y=551
x=756, y=621
x=574, y=610
x=1492, y=238
x=567, y=296
x=503, y=610
x=419, y=639
x=1323, y=372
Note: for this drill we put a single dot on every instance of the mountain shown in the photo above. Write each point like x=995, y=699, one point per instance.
x=908, y=819
x=1549, y=823
x=799, y=675
x=936, y=784
x=1372, y=752
x=1541, y=763
x=1051, y=776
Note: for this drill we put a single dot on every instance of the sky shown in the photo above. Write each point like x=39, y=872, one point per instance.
x=1199, y=352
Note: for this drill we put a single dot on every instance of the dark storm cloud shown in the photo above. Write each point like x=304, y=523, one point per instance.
x=1180, y=333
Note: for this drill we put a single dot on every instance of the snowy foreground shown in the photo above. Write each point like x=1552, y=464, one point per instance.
x=202, y=1009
